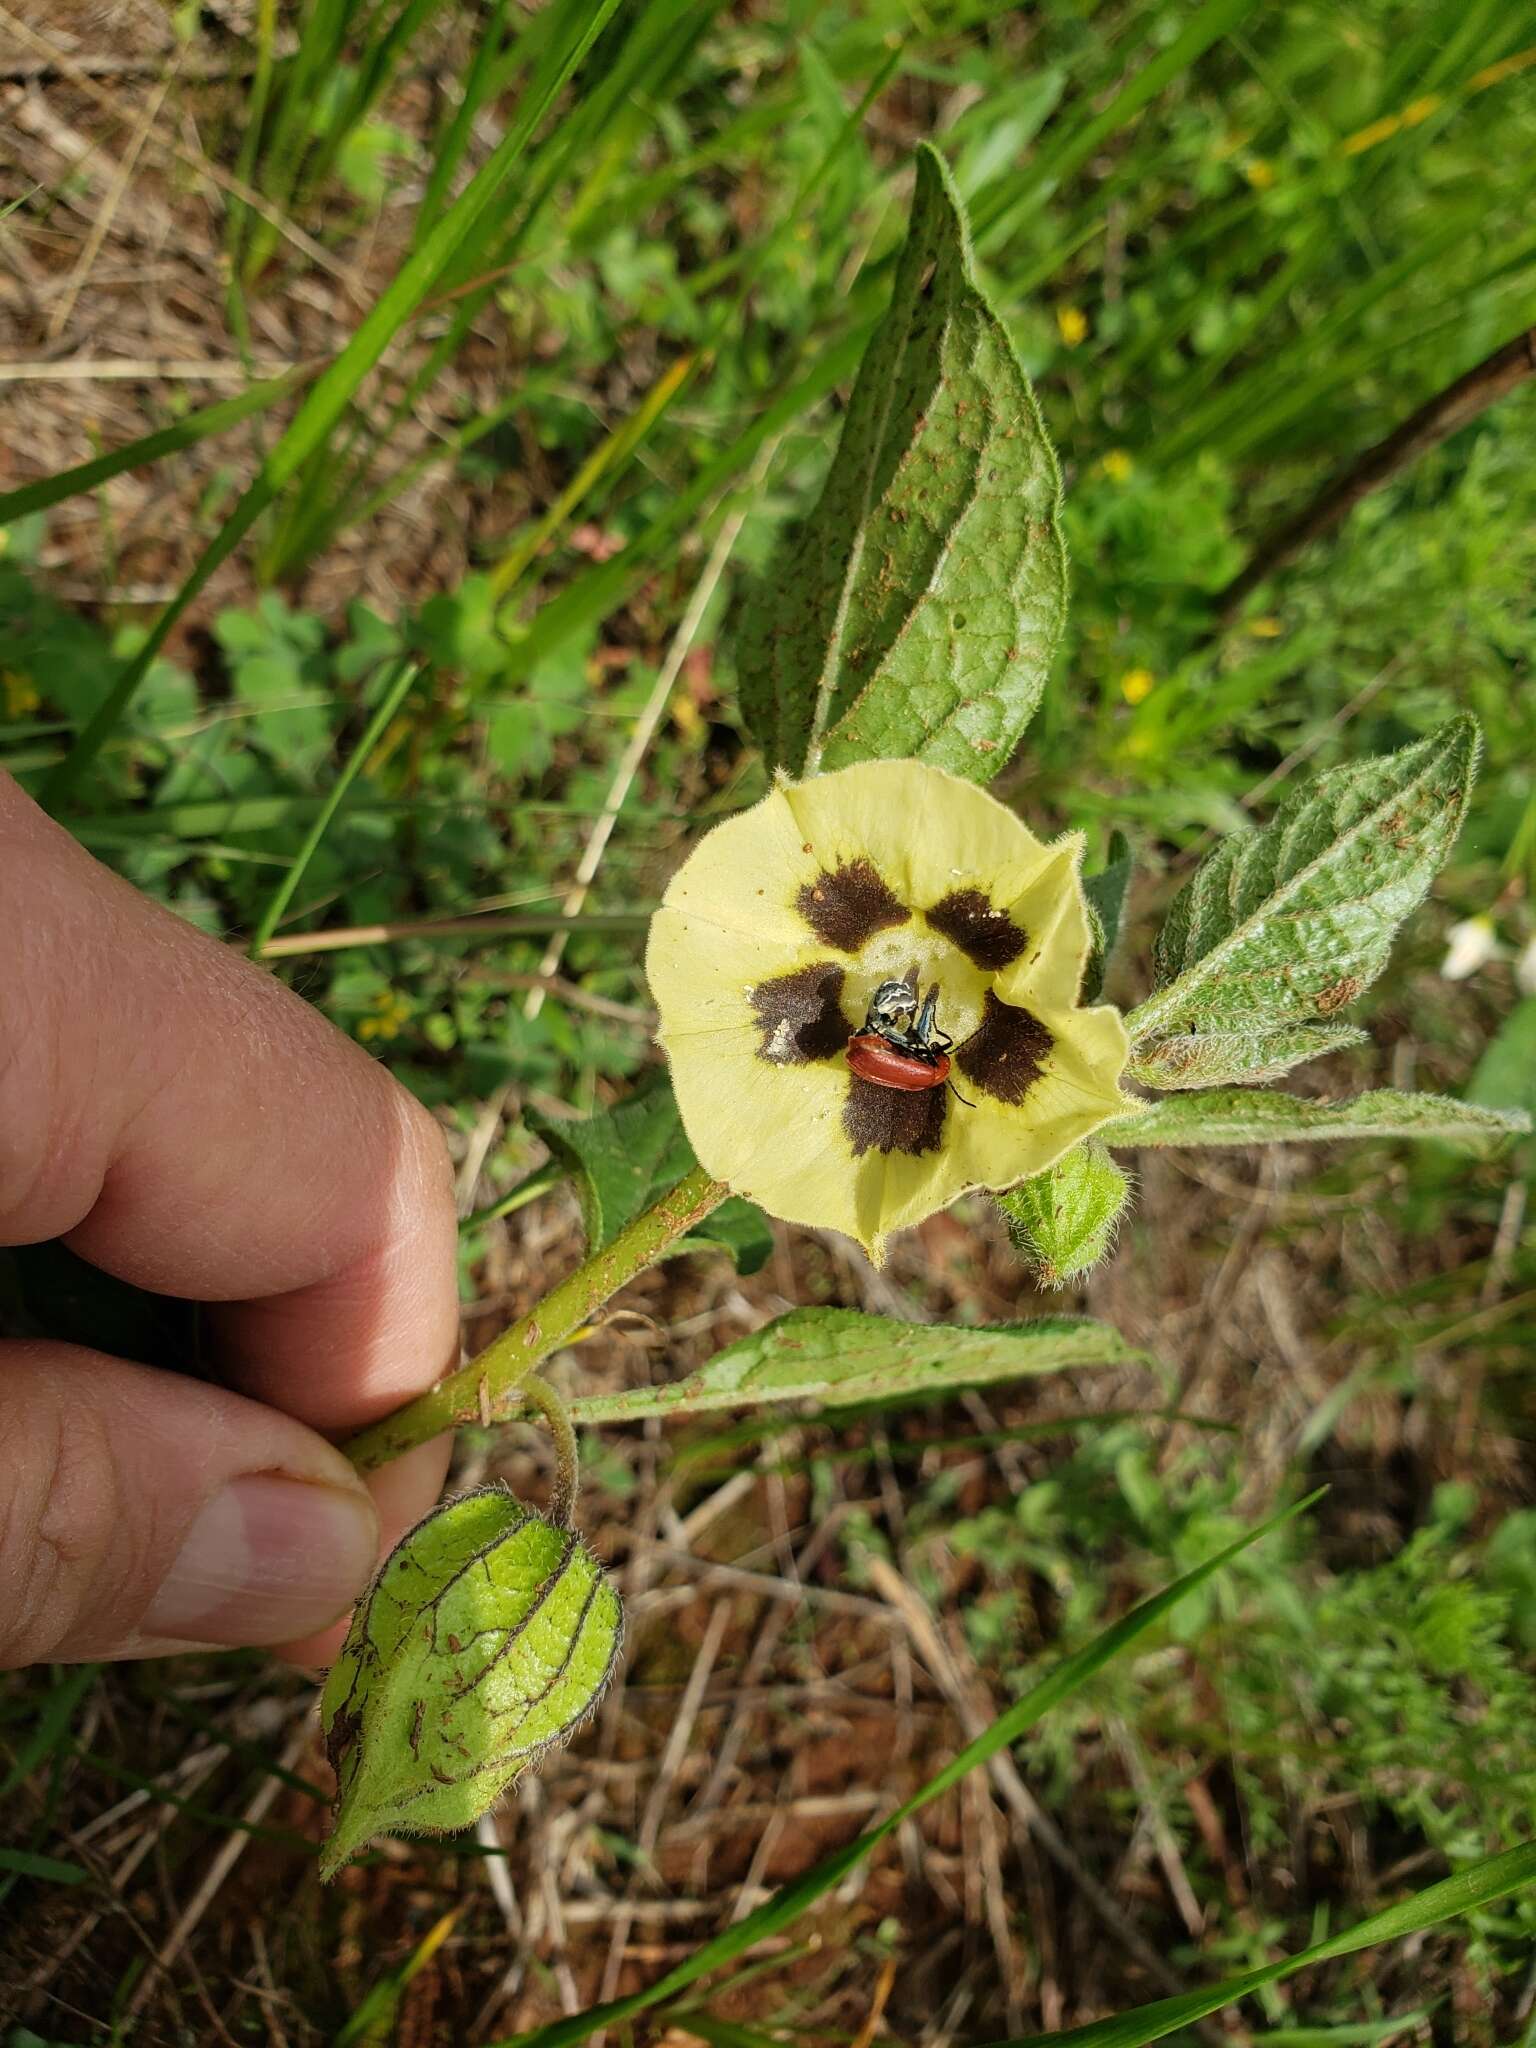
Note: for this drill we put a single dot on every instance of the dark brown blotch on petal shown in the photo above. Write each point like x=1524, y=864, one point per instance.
x=1006, y=1053
x=801, y=1015
x=846, y=906
x=987, y=936
x=889, y=1120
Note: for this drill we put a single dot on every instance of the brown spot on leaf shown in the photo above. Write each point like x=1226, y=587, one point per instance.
x=1337, y=994
x=846, y=906
x=1006, y=1052
x=801, y=1015
x=890, y=1120
x=985, y=935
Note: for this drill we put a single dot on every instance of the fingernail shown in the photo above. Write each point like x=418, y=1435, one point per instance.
x=267, y=1559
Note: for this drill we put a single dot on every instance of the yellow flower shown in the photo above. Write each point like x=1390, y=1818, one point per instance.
x=1266, y=628
x=1259, y=173
x=391, y=1012
x=774, y=937
x=1071, y=325
x=20, y=693
x=1137, y=684
x=1117, y=465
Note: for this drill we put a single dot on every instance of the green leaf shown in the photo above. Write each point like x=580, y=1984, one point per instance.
x=44, y=1869
x=1291, y=923
x=1064, y=1220
x=792, y=1899
x=839, y=1355
x=1251, y=1116
x=1206, y=1059
x=1106, y=893
x=1505, y=1077
x=917, y=611
x=488, y=1635
x=1494, y=1877
x=626, y=1158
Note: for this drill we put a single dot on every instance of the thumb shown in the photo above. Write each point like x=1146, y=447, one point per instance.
x=141, y=1511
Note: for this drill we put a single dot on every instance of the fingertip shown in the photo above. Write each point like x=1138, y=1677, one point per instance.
x=403, y=1492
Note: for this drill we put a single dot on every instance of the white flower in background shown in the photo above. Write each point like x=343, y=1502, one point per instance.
x=1525, y=969
x=1469, y=946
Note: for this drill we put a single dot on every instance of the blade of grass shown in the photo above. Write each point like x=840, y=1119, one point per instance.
x=328, y=401
x=44, y=1869
x=185, y=433
x=478, y=267
x=607, y=455
x=255, y=119
x=793, y=1899
x=1494, y=1877
x=374, y=2020
x=385, y=50
x=453, y=142
x=1069, y=145
x=453, y=928
x=322, y=30
x=51, y=1727
x=726, y=315
x=589, y=596
x=395, y=693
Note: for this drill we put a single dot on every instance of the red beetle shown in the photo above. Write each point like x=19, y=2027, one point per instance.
x=900, y=1045
x=873, y=1058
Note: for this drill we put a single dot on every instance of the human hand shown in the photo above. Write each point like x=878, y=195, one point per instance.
x=185, y=1122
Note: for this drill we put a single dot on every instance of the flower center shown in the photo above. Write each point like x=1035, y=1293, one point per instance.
x=890, y=955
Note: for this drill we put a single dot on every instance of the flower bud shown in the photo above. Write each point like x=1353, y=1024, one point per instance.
x=1064, y=1220
x=488, y=1636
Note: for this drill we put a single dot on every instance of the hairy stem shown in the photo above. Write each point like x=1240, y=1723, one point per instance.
x=482, y=1387
x=538, y=1393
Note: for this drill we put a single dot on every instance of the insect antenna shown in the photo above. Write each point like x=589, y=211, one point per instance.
x=958, y=1096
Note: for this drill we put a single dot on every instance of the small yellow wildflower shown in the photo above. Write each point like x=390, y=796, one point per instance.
x=1071, y=325
x=795, y=926
x=1137, y=684
x=1260, y=173
x=20, y=694
x=391, y=1013
x=1117, y=465
x=1265, y=628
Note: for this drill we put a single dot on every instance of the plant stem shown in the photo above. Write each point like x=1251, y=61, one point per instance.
x=562, y=1501
x=484, y=1385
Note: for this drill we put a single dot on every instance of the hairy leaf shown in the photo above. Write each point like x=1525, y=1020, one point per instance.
x=1106, y=893
x=917, y=611
x=1206, y=1059
x=839, y=1355
x=1064, y=1220
x=1290, y=923
x=1250, y=1116
x=627, y=1157
x=488, y=1635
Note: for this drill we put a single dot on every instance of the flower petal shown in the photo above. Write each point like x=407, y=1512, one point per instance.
x=1052, y=910
x=773, y=936
x=925, y=833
